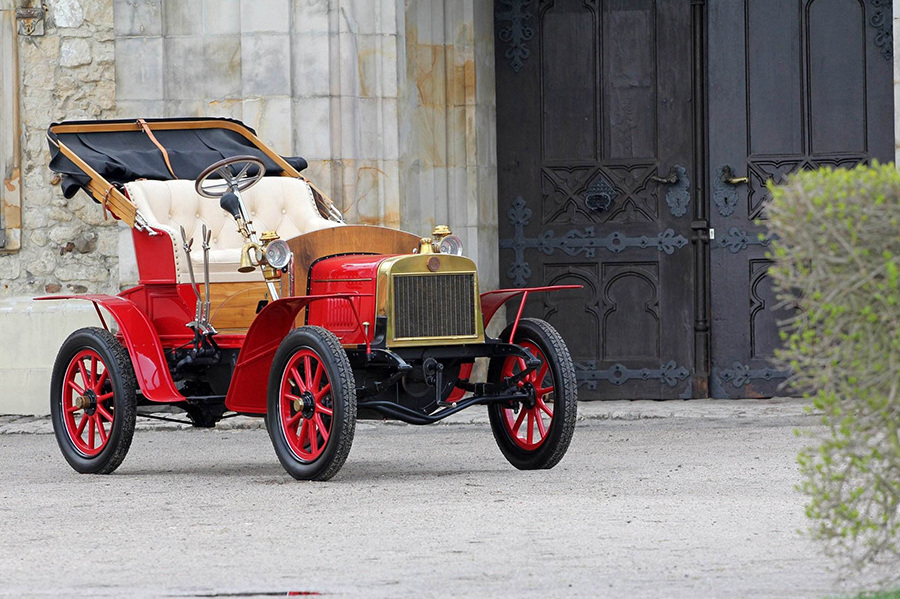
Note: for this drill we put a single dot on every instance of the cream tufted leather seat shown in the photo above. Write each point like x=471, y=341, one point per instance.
x=281, y=204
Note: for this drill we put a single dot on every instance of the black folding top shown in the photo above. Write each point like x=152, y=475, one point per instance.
x=123, y=156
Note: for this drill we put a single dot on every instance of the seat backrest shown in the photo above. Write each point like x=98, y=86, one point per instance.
x=281, y=204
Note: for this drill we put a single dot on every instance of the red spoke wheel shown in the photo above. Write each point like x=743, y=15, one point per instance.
x=93, y=404
x=535, y=432
x=311, y=412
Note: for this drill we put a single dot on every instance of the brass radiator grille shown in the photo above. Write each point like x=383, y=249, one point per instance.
x=434, y=305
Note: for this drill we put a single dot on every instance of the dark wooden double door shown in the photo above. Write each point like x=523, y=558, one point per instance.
x=635, y=140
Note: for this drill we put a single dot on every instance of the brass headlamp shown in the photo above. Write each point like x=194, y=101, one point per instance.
x=445, y=242
x=272, y=254
x=439, y=232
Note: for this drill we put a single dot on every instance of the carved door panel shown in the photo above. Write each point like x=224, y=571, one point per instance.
x=595, y=159
x=793, y=84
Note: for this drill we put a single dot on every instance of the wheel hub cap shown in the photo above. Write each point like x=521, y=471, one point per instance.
x=87, y=402
x=306, y=405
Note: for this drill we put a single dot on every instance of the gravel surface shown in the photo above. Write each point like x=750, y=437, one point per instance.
x=673, y=499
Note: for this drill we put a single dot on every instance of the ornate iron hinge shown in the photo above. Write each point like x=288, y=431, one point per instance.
x=737, y=240
x=516, y=31
x=575, y=242
x=740, y=375
x=668, y=373
x=880, y=21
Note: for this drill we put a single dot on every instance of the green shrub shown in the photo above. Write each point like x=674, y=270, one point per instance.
x=883, y=595
x=837, y=252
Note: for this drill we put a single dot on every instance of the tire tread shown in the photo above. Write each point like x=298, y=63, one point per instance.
x=348, y=382
x=126, y=403
x=346, y=426
x=543, y=457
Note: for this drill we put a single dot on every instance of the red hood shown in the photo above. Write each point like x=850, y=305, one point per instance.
x=350, y=267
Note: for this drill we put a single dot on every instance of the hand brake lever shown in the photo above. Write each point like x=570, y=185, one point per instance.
x=206, y=234
x=187, y=250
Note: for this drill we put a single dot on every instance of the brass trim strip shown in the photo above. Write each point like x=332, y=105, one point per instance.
x=431, y=340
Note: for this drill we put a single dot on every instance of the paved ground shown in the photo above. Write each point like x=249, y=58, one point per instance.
x=673, y=499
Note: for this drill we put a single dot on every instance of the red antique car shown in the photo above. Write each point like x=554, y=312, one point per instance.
x=266, y=303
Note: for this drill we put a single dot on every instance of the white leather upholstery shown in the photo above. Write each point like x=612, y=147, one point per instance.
x=281, y=204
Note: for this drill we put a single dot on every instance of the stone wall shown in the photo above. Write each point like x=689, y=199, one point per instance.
x=391, y=102
x=448, y=126
x=63, y=246
x=68, y=72
x=10, y=132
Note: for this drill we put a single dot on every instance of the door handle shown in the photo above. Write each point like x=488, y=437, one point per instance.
x=671, y=179
x=678, y=195
x=725, y=194
x=727, y=176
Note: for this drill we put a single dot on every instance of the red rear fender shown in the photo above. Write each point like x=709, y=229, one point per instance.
x=141, y=341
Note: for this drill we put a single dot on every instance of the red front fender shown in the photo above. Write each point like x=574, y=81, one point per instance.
x=492, y=300
x=142, y=343
x=249, y=383
x=490, y=303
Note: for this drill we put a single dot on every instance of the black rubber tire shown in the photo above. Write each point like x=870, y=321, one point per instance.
x=343, y=403
x=565, y=405
x=121, y=381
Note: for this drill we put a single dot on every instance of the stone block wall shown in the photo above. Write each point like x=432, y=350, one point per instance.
x=447, y=133
x=68, y=72
x=10, y=132
x=274, y=64
x=390, y=101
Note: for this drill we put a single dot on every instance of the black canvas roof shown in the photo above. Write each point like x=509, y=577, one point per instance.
x=123, y=156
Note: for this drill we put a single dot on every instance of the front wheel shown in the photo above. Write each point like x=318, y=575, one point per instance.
x=535, y=433
x=311, y=411
x=92, y=401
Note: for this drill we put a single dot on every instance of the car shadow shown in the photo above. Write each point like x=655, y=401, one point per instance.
x=359, y=472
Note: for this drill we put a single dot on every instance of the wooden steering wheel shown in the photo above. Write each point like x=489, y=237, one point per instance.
x=230, y=175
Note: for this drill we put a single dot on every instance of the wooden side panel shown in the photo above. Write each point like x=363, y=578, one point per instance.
x=233, y=305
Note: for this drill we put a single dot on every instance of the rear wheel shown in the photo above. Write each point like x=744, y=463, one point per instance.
x=92, y=401
x=311, y=412
x=535, y=433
